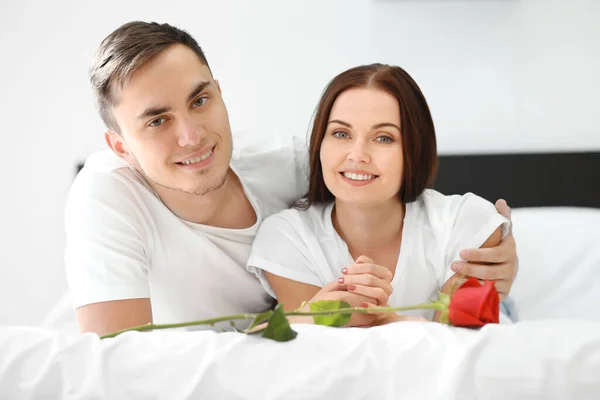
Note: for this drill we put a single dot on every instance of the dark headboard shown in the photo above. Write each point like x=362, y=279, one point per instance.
x=524, y=180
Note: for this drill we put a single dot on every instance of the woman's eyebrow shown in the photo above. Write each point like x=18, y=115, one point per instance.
x=337, y=121
x=376, y=126
x=385, y=124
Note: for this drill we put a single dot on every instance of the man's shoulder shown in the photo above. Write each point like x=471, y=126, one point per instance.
x=272, y=164
x=267, y=150
x=103, y=163
x=107, y=179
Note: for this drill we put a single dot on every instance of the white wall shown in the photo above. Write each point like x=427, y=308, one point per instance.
x=505, y=75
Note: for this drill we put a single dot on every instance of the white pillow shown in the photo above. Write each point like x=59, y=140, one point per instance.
x=559, y=263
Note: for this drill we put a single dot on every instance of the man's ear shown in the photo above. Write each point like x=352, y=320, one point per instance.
x=118, y=146
x=218, y=86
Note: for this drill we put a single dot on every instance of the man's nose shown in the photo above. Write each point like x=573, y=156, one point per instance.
x=190, y=133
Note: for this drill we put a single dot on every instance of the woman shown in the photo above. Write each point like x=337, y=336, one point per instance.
x=369, y=232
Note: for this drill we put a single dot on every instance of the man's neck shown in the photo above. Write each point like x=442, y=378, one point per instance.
x=369, y=229
x=225, y=207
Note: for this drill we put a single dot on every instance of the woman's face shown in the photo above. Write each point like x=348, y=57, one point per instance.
x=361, y=153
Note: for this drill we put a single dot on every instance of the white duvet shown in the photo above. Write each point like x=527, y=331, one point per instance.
x=552, y=353
x=528, y=360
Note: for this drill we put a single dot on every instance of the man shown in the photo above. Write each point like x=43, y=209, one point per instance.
x=159, y=227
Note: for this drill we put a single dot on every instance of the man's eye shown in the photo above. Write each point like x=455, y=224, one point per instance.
x=340, y=135
x=157, y=122
x=200, y=101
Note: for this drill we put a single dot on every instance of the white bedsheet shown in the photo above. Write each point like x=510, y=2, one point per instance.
x=414, y=360
x=553, y=352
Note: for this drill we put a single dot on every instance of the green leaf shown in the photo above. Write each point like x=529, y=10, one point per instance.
x=279, y=328
x=260, y=318
x=336, y=320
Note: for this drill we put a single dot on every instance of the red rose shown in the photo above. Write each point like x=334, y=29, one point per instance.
x=474, y=304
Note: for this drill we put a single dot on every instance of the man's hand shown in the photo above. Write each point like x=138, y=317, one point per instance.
x=498, y=263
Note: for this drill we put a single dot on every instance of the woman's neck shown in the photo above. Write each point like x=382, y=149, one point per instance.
x=369, y=229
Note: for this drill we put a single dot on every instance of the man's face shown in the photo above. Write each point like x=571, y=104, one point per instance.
x=174, y=125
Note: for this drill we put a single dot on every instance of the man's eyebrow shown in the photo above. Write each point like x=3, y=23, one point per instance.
x=154, y=111
x=197, y=90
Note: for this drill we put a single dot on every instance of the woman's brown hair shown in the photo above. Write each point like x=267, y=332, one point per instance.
x=417, y=131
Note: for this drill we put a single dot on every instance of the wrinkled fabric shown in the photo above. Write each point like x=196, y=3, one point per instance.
x=551, y=359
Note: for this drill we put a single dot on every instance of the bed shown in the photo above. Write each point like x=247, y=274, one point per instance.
x=553, y=352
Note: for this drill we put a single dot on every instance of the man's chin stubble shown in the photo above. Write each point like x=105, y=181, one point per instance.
x=196, y=192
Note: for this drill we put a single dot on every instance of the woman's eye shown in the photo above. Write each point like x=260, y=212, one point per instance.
x=200, y=101
x=157, y=122
x=384, y=139
x=340, y=135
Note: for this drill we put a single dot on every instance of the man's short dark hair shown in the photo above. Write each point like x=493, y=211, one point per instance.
x=123, y=52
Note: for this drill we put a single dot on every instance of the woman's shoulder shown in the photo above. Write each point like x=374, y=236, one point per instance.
x=312, y=219
x=438, y=207
x=433, y=199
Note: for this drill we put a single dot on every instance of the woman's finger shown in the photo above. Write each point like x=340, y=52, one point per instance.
x=374, y=292
x=363, y=260
x=407, y=318
x=332, y=286
x=372, y=306
x=367, y=280
x=369, y=268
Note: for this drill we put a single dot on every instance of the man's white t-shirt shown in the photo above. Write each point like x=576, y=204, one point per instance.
x=124, y=243
x=304, y=246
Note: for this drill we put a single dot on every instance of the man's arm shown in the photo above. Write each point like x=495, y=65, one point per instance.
x=499, y=262
x=456, y=279
x=106, y=251
x=111, y=316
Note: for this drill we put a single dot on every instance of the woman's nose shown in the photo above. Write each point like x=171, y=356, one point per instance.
x=359, y=152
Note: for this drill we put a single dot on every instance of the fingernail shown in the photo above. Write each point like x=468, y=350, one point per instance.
x=455, y=267
x=364, y=305
x=341, y=280
x=351, y=287
x=344, y=270
x=464, y=253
